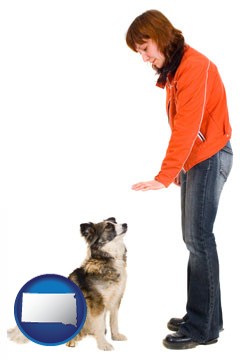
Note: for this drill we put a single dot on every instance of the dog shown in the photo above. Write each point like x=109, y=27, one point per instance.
x=102, y=280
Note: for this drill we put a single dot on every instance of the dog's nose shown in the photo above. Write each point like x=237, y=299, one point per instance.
x=124, y=226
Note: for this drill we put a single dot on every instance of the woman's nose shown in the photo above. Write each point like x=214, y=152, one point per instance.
x=145, y=57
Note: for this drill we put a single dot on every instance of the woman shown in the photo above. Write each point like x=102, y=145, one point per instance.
x=198, y=158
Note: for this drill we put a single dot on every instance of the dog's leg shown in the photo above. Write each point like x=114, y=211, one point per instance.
x=78, y=337
x=105, y=315
x=73, y=342
x=114, y=325
x=99, y=332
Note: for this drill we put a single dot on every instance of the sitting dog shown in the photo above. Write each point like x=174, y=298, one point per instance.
x=102, y=279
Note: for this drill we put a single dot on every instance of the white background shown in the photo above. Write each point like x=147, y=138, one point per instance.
x=82, y=121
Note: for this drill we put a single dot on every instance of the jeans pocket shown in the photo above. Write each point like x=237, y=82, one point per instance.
x=226, y=160
x=228, y=148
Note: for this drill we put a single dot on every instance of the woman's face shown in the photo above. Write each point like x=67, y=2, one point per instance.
x=150, y=52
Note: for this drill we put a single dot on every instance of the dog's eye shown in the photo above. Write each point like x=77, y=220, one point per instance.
x=109, y=226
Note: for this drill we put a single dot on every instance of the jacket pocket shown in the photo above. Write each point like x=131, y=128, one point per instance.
x=201, y=136
x=200, y=139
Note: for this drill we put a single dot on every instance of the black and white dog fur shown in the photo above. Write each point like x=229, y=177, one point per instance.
x=102, y=279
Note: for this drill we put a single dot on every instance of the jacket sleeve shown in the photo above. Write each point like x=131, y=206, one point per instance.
x=190, y=99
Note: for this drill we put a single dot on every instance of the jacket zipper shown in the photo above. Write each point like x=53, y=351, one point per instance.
x=168, y=108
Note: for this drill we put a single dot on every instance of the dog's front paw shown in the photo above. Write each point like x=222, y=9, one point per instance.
x=105, y=346
x=71, y=343
x=119, y=337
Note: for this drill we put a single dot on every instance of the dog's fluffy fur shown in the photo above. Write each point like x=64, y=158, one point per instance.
x=102, y=279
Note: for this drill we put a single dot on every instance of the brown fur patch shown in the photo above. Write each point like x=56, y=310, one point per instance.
x=103, y=269
x=93, y=298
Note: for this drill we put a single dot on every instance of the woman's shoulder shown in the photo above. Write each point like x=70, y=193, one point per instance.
x=193, y=56
x=193, y=62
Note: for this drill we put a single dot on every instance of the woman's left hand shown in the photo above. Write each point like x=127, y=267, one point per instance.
x=148, y=185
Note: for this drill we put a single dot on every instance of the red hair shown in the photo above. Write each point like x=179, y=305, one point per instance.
x=153, y=25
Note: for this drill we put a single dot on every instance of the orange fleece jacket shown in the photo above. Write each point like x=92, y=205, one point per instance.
x=198, y=115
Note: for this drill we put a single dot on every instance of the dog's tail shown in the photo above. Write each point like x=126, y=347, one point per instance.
x=17, y=336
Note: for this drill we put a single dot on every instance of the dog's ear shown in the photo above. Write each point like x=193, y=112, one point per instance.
x=112, y=219
x=88, y=231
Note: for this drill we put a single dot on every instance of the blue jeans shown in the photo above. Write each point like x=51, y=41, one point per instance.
x=201, y=188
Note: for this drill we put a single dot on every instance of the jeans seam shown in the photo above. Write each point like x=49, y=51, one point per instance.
x=209, y=264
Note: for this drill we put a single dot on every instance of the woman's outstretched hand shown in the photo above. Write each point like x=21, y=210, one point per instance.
x=148, y=185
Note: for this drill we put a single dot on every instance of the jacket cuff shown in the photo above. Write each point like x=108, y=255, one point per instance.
x=163, y=179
